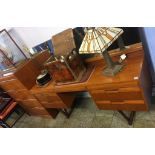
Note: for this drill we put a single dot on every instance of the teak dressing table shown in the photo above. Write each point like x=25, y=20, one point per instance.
x=130, y=90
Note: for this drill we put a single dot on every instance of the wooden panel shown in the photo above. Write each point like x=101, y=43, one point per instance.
x=51, y=100
x=37, y=111
x=63, y=42
x=120, y=94
x=134, y=105
x=47, y=97
x=67, y=98
x=27, y=74
x=55, y=104
x=33, y=107
x=128, y=77
x=22, y=94
x=40, y=58
x=12, y=84
x=112, y=85
x=31, y=103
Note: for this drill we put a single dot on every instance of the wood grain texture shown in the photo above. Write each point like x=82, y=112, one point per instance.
x=128, y=90
x=63, y=42
x=125, y=91
x=28, y=73
x=18, y=85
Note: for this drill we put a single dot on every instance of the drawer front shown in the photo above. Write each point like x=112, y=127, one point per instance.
x=48, y=97
x=22, y=94
x=121, y=94
x=31, y=103
x=110, y=85
x=129, y=105
x=37, y=111
x=55, y=104
x=11, y=85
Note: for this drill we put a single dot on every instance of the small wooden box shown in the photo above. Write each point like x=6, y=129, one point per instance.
x=66, y=69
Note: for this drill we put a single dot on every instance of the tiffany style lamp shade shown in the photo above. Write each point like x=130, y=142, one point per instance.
x=97, y=40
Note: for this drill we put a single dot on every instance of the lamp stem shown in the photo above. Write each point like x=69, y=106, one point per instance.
x=108, y=59
x=121, y=43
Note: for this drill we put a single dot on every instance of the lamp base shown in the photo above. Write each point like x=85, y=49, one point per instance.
x=114, y=70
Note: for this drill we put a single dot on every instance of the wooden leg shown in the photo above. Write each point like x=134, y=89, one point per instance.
x=129, y=118
x=67, y=112
x=53, y=112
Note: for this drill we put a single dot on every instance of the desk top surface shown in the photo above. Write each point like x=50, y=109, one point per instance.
x=130, y=73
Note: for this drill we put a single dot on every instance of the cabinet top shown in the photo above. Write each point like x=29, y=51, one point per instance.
x=130, y=73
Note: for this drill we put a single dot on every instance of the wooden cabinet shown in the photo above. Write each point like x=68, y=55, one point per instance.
x=128, y=90
x=17, y=91
x=18, y=84
x=50, y=99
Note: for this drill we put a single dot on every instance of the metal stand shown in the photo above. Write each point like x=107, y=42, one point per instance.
x=68, y=112
x=121, y=43
x=112, y=67
x=131, y=117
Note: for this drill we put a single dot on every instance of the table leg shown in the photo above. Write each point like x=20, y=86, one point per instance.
x=68, y=112
x=129, y=118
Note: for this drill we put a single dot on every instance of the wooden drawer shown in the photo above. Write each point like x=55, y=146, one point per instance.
x=11, y=84
x=22, y=94
x=31, y=103
x=129, y=105
x=37, y=111
x=55, y=104
x=41, y=111
x=120, y=94
x=48, y=97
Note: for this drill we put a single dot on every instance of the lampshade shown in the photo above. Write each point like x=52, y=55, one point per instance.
x=98, y=39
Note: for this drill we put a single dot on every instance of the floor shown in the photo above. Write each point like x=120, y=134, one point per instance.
x=86, y=115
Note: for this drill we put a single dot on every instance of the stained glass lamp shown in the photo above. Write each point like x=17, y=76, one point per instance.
x=97, y=40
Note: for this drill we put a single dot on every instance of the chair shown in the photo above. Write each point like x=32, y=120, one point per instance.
x=7, y=111
x=7, y=107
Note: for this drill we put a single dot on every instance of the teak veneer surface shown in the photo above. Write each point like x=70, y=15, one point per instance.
x=128, y=90
x=129, y=74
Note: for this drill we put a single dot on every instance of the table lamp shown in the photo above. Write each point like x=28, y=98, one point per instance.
x=97, y=40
